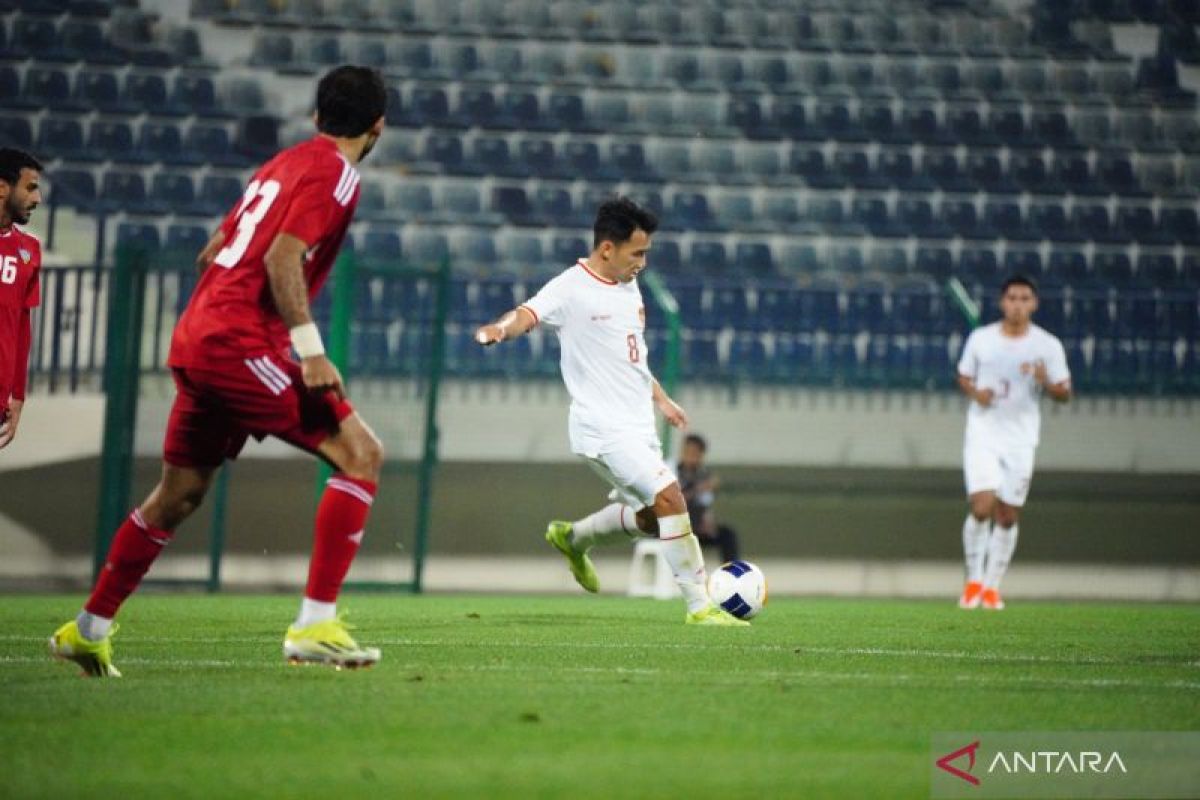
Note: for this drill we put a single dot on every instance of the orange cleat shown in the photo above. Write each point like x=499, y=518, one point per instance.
x=971, y=595
x=992, y=600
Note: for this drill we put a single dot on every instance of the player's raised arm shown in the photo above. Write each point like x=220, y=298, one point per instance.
x=516, y=322
x=285, y=270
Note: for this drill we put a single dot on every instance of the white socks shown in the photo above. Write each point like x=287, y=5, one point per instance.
x=92, y=627
x=314, y=611
x=975, y=546
x=999, y=553
x=682, y=550
x=612, y=523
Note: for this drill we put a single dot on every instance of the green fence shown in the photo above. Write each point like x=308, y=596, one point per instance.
x=392, y=364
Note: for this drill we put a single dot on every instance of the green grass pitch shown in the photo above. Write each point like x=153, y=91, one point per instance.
x=580, y=697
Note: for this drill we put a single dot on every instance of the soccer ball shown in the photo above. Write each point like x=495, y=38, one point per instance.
x=739, y=587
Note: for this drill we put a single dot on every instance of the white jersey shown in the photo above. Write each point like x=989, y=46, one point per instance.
x=600, y=325
x=1005, y=365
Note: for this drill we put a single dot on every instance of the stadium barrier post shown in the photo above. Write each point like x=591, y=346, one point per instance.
x=669, y=379
x=126, y=301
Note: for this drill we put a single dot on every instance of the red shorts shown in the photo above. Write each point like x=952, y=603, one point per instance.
x=215, y=410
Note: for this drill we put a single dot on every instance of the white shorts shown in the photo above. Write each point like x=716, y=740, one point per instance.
x=635, y=470
x=1006, y=470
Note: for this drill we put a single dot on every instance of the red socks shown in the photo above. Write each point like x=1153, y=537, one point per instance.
x=131, y=553
x=341, y=516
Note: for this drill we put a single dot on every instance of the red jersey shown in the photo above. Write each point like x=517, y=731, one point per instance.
x=309, y=191
x=20, y=263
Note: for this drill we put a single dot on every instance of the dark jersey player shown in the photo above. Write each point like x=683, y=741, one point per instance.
x=20, y=262
x=231, y=357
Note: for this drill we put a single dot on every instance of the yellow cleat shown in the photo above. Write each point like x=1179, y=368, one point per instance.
x=328, y=643
x=559, y=537
x=69, y=644
x=714, y=615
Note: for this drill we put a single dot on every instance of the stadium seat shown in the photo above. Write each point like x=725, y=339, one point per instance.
x=195, y=95
x=144, y=235
x=754, y=259
x=212, y=144
x=64, y=138
x=708, y=257
x=16, y=132
x=218, y=193
x=48, y=88
x=113, y=141
x=147, y=93
x=75, y=188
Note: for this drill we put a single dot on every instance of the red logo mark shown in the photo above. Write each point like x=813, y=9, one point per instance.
x=969, y=750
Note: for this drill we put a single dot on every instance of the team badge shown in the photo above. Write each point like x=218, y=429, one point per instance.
x=25, y=255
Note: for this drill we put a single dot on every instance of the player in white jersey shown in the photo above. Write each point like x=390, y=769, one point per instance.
x=1004, y=370
x=596, y=309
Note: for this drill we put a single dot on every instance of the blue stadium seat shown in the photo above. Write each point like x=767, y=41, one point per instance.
x=554, y=208
x=147, y=93
x=1004, y=217
x=870, y=214
x=1048, y=220
x=914, y=217
x=690, y=211
x=914, y=308
x=218, y=194
x=748, y=356
x=1137, y=222
x=628, y=159
x=1158, y=270
x=123, y=190
x=16, y=132
x=1067, y=268
x=789, y=117
x=1091, y=220
x=195, y=95
x=809, y=164
x=959, y=217
x=492, y=156
x=113, y=141
x=372, y=203
x=978, y=267
x=934, y=262
x=476, y=250
x=864, y=307
x=186, y=241
x=566, y=250
x=429, y=107
x=413, y=201
x=566, y=112
x=99, y=91
x=582, y=160
x=477, y=107
x=64, y=138
x=754, y=259
x=85, y=40
x=1180, y=223
x=380, y=247
x=74, y=187
x=665, y=256
x=211, y=143
x=1023, y=261
x=136, y=234
x=1072, y=172
x=48, y=87
x=536, y=158
x=446, y=151
x=709, y=257
x=514, y=205
x=1111, y=269
x=31, y=37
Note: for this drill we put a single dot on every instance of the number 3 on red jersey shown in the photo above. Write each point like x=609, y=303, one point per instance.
x=264, y=192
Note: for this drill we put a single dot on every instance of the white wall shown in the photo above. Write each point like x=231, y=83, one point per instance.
x=517, y=423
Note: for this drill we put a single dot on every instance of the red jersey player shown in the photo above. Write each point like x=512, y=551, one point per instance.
x=235, y=377
x=20, y=261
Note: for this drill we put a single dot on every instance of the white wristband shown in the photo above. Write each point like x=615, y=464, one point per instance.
x=306, y=340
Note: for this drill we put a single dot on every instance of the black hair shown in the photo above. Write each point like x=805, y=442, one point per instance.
x=1019, y=280
x=617, y=219
x=12, y=161
x=349, y=100
x=698, y=440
